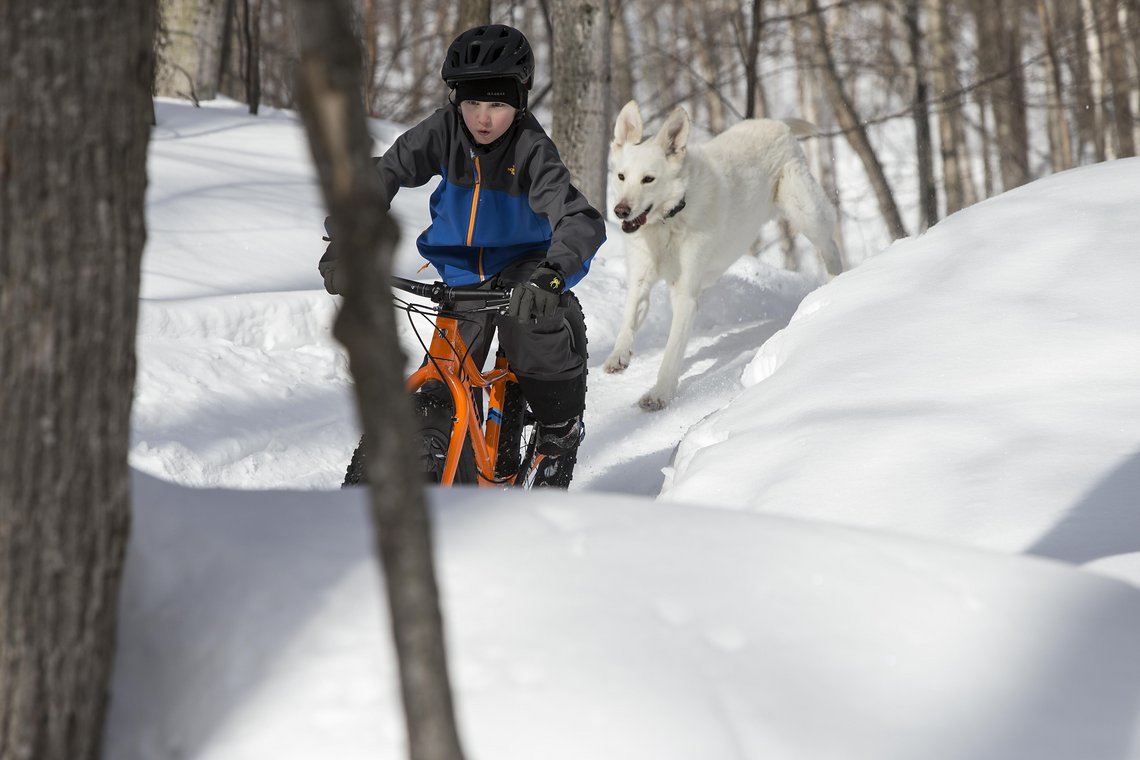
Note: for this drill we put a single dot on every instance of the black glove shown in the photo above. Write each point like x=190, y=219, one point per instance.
x=327, y=265
x=538, y=297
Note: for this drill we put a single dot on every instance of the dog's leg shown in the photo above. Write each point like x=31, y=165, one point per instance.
x=683, y=296
x=642, y=276
x=808, y=209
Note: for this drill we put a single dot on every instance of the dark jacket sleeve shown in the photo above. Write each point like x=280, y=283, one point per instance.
x=577, y=229
x=412, y=160
x=416, y=156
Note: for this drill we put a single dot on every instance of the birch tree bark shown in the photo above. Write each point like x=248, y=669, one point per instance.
x=75, y=114
x=191, y=63
x=333, y=112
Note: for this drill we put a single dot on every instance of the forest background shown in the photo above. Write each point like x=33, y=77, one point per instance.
x=985, y=95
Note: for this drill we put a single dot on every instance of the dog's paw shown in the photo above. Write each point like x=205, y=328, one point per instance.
x=616, y=363
x=653, y=402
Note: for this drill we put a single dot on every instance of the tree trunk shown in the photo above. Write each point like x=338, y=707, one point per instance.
x=702, y=24
x=852, y=125
x=1117, y=70
x=999, y=57
x=426, y=59
x=622, y=91
x=252, y=22
x=472, y=13
x=331, y=106
x=1060, y=136
x=1095, y=87
x=957, y=178
x=211, y=39
x=191, y=63
x=75, y=112
x=581, y=122
x=370, y=39
x=752, y=93
x=985, y=137
x=927, y=193
x=660, y=67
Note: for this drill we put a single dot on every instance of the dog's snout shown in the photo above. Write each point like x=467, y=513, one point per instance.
x=621, y=211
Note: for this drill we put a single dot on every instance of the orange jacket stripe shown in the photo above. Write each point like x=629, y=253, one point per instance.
x=474, y=201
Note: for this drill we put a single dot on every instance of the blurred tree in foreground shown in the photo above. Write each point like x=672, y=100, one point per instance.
x=75, y=111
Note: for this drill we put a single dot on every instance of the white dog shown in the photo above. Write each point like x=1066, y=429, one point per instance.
x=691, y=211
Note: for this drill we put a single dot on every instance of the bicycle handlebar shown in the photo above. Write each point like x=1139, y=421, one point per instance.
x=437, y=292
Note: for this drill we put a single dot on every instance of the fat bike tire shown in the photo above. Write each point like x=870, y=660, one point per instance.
x=355, y=474
x=516, y=423
x=433, y=417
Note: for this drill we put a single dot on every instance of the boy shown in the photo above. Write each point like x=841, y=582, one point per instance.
x=505, y=214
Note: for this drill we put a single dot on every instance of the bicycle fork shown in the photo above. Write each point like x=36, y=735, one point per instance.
x=444, y=364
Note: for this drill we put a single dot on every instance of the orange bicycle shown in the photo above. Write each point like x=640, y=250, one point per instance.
x=458, y=443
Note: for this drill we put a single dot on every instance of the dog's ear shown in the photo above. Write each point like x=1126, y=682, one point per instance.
x=628, y=128
x=674, y=134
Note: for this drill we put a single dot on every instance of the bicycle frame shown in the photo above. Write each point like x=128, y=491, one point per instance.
x=450, y=363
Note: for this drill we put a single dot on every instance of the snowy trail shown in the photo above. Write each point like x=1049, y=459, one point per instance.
x=264, y=395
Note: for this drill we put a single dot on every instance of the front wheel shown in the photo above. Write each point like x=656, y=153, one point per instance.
x=433, y=417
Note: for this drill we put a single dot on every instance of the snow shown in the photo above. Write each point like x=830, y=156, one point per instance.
x=892, y=516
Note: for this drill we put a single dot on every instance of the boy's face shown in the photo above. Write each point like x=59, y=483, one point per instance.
x=486, y=121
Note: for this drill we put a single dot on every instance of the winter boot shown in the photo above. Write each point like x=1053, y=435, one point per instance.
x=557, y=445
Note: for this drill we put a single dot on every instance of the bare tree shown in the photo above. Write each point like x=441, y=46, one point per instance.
x=1060, y=136
x=581, y=128
x=1118, y=78
x=75, y=111
x=927, y=193
x=750, y=55
x=957, y=179
x=853, y=126
x=999, y=51
x=1094, y=85
x=333, y=111
x=251, y=28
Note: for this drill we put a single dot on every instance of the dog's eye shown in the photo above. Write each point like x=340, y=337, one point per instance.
x=621, y=177
x=647, y=180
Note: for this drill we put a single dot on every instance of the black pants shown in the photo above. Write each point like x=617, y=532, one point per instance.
x=548, y=355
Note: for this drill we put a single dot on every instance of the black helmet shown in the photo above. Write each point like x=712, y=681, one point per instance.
x=487, y=52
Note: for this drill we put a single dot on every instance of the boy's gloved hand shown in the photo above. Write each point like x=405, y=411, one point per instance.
x=539, y=296
x=327, y=265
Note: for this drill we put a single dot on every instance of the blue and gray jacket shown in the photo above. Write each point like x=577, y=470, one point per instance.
x=496, y=204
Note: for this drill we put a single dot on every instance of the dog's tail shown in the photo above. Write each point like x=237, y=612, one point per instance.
x=801, y=128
